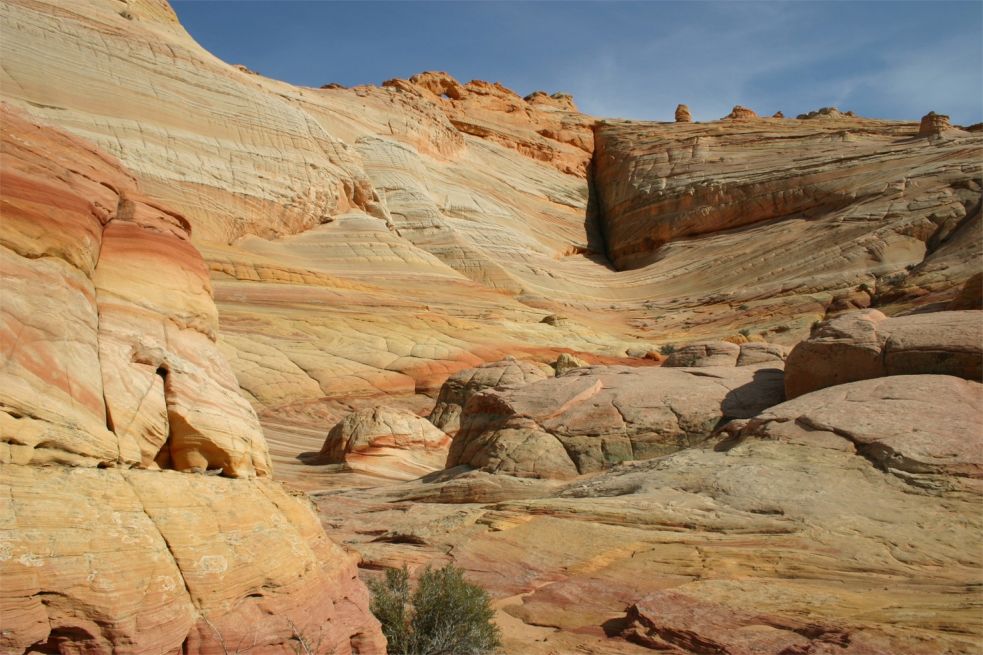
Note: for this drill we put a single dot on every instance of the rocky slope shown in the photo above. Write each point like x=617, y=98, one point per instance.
x=137, y=511
x=371, y=241
x=363, y=245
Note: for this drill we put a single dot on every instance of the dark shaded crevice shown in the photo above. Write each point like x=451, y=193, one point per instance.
x=595, y=225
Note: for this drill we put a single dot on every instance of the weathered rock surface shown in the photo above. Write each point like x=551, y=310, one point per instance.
x=685, y=203
x=726, y=353
x=567, y=362
x=739, y=113
x=590, y=419
x=845, y=520
x=387, y=442
x=933, y=124
x=373, y=241
x=868, y=344
x=913, y=426
x=713, y=353
x=683, y=115
x=109, y=365
x=460, y=387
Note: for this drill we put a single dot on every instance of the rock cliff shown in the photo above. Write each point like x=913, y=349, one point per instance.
x=368, y=245
x=137, y=510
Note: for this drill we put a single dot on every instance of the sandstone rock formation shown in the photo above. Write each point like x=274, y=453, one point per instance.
x=590, y=419
x=396, y=235
x=683, y=115
x=681, y=202
x=726, y=353
x=933, y=124
x=713, y=353
x=386, y=442
x=567, y=362
x=460, y=387
x=845, y=520
x=109, y=366
x=824, y=112
x=867, y=344
x=739, y=113
x=912, y=426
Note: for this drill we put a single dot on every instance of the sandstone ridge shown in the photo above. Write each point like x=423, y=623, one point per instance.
x=115, y=404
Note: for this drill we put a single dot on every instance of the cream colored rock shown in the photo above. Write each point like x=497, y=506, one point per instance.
x=868, y=344
x=591, y=419
x=714, y=353
x=460, y=387
x=567, y=362
x=110, y=365
x=386, y=442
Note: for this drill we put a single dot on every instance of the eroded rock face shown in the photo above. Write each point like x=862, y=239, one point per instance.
x=739, y=113
x=387, y=442
x=109, y=366
x=868, y=344
x=714, y=353
x=590, y=419
x=933, y=124
x=460, y=387
x=683, y=115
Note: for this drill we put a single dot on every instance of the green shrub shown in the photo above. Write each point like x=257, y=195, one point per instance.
x=668, y=349
x=444, y=615
x=745, y=332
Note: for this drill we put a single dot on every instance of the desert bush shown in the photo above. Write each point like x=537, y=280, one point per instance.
x=668, y=348
x=444, y=615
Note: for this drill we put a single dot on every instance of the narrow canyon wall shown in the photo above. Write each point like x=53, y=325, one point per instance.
x=136, y=510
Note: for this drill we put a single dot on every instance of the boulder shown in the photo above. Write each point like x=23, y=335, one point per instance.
x=761, y=353
x=589, y=419
x=683, y=115
x=710, y=353
x=506, y=374
x=567, y=362
x=387, y=442
x=868, y=344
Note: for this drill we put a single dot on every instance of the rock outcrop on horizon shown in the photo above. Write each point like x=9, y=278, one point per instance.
x=120, y=427
x=683, y=115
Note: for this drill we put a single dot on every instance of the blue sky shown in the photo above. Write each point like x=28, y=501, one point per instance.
x=638, y=60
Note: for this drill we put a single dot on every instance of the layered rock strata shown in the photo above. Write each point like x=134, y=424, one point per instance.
x=386, y=442
x=115, y=403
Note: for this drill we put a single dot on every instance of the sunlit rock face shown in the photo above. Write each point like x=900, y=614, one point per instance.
x=122, y=428
x=440, y=221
